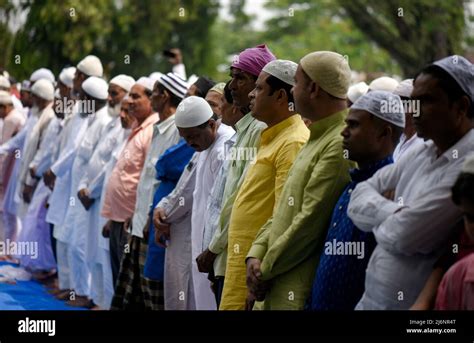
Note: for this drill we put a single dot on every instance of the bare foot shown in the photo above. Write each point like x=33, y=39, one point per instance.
x=80, y=301
x=64, y=294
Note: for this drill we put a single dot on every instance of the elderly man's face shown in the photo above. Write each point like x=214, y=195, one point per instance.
x=125, y=118
x=214, y=100
x=199, y=138
x=140, y=103
x=241, y=85
x=116, y=94
x=438, y=116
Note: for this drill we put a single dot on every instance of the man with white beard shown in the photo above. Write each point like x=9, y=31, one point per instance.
x=74, y=232
x=58, y=177
x=88, y=215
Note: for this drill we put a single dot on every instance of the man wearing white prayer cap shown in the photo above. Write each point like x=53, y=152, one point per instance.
x=408, y=205
x=409, y=139
x=198, y=126
x=383, y=83
x=272, y=103
x=370, y=136
x=355, y=92
x=25, y=94
x=89, y=193
x=43, y=95
x=59, y=177
x=119, y=86
x=89, y=66
x=95, y=96
x=42, y=73
x=66, y=82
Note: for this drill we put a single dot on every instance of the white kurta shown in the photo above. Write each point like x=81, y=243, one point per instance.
x=208, y=165
x=15, y=145
x=12, y=224
x=71, y=137
x=35, y=228
x=178, y=283
x=75, y=127
x=33, y=142
x=410, y=239
x=97, y=252
x=165, y=135
x=405, y=146
x=75, y=225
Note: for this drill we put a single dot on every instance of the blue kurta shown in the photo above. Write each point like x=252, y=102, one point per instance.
x=339, y=280
x=168, y=170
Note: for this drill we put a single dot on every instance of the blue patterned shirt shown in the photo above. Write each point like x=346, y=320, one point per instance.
x=340, y=275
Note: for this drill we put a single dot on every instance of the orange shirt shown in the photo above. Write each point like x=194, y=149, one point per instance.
x=121, y=191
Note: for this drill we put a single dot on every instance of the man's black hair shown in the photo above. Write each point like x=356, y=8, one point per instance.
x=448, y=84
x=277, y=84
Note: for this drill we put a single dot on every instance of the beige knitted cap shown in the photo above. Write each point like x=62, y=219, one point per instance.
x=329, y=70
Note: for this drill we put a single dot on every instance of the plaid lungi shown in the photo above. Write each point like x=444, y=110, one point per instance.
x=133, y=291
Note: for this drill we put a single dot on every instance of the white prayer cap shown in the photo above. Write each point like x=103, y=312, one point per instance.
x=155, y=76
x=356, y=91
x=4, y=82
x=67, y=76
x=175, y=84
x=42, y=73
x=91, y=66
x=44, y=89
x=146, y=82
x=96, y=87
x=460, y=70
x=5, y=98
x=283, y=70
x=383, y=83
x=192, y=111
x=123, y=81
x=384, y=105
x=26, y=86
x=56, y=94
x=468, y=166
x=404, y=88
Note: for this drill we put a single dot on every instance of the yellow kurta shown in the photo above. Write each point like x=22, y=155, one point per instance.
x=255, y=201
x=290, y=243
